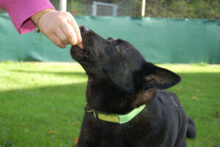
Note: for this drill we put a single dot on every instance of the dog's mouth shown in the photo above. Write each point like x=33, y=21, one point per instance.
x=84, y=56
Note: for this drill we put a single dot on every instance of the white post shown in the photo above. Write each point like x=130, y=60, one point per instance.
x=62, y=5
x=143, y=8
x=94, y=8
x=115, y=8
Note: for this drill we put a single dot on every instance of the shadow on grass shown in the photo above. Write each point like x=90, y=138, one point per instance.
x=52, y=115
x=46, y=116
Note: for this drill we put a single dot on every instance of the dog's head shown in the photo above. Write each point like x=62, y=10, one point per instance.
x=118, y=61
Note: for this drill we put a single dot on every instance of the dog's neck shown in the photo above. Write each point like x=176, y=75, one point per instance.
x=106, y=97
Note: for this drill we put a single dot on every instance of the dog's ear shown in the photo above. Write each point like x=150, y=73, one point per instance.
x=156, y=77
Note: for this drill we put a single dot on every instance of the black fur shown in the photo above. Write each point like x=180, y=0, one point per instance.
x=119, y=80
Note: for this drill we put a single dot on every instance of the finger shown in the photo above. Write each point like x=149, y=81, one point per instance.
x=73, y=23
x=61, y=35
x=69, y=32
x=56, y=40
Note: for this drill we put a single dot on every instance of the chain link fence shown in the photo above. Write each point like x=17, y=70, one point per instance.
x=102, y=8
x=154, y=8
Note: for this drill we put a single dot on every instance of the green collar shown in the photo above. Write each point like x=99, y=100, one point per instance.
x=117, y=118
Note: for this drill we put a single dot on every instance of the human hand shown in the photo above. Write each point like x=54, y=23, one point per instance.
x=60, y=27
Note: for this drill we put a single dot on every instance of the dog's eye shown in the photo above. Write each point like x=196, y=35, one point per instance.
x=110, y=38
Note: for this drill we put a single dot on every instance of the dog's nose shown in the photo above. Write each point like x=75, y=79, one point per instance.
x=84, y=29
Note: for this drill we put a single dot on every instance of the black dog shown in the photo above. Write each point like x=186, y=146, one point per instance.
x=126, y=106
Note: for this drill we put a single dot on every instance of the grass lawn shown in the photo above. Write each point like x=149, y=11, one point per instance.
x=42, y=104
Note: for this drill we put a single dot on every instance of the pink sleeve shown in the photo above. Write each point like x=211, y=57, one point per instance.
x=20, y=12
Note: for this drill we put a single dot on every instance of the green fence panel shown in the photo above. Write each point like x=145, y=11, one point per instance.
x=159, y=40
x=27, y=47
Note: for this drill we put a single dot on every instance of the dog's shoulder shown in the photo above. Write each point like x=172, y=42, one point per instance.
x=167, y=97
x=170, y=104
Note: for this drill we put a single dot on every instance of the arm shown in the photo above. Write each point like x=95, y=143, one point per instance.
x=20, y=12
x=60, y=27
